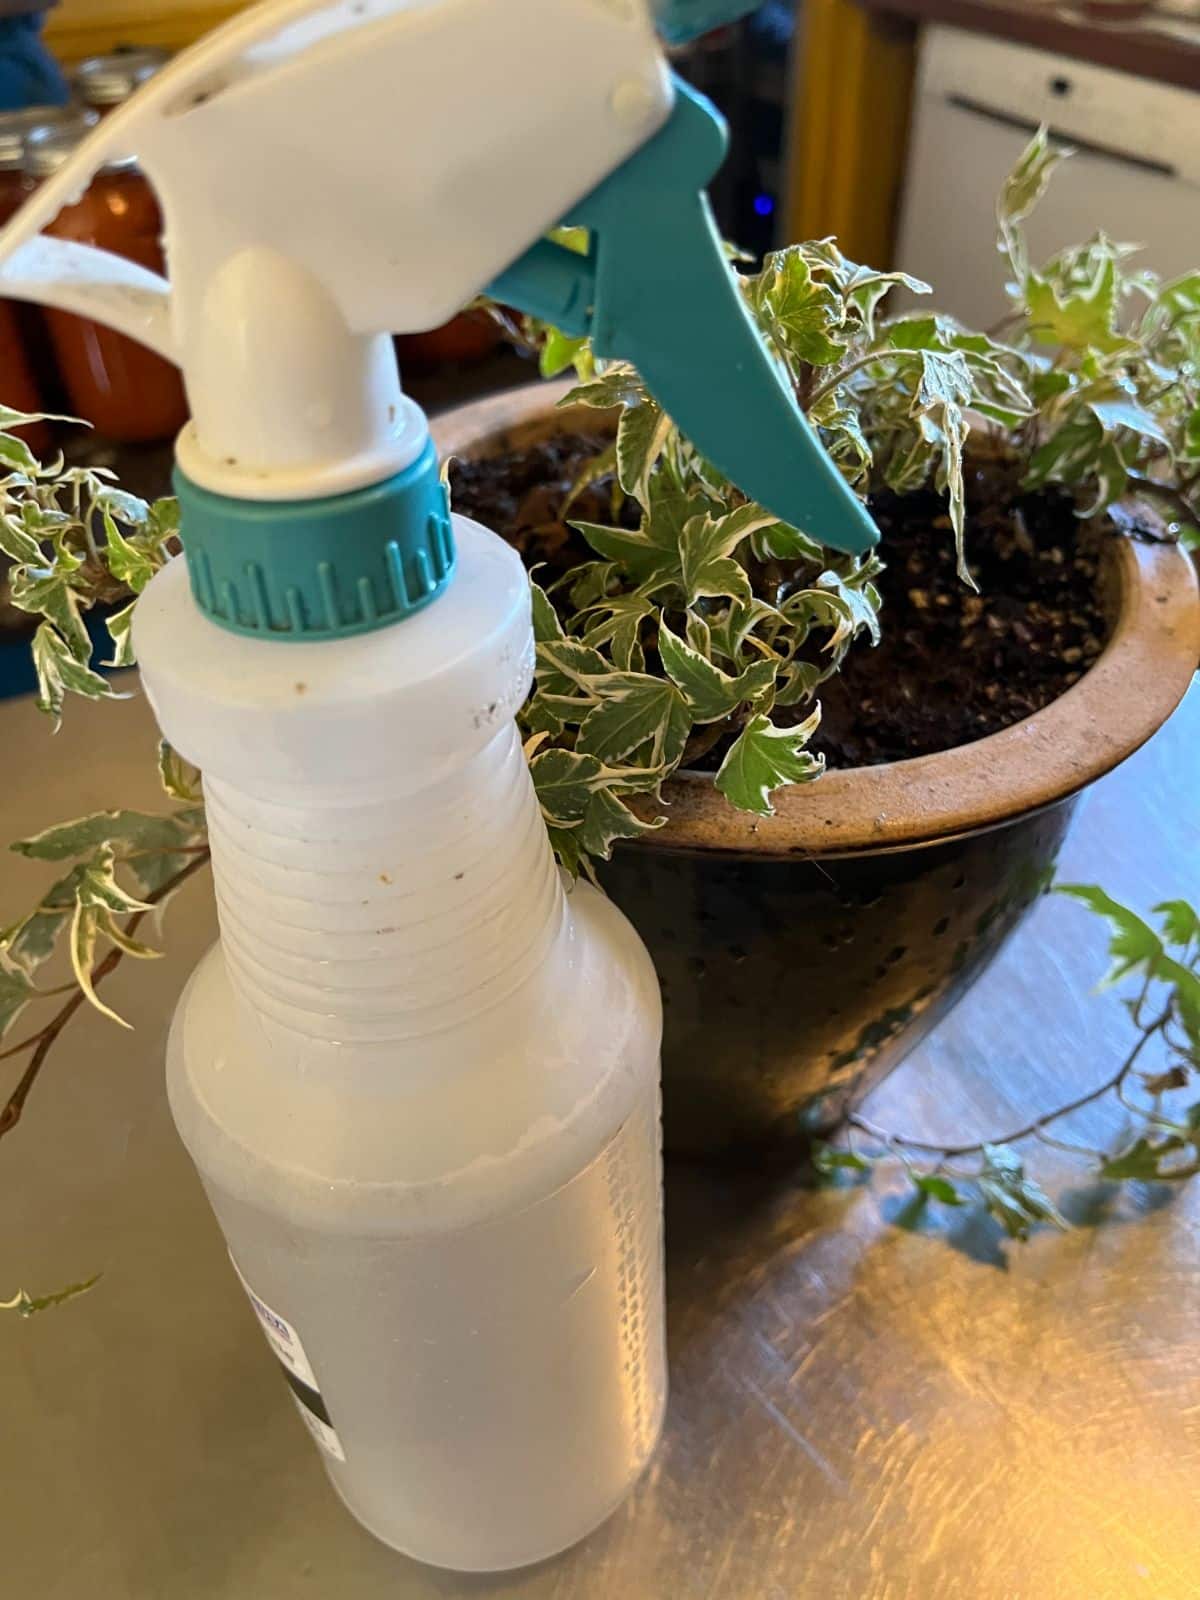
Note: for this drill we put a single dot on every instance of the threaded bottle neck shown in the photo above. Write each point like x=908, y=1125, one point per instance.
x=387, y=914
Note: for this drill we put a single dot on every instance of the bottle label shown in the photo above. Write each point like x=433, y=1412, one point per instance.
x=301, y=1379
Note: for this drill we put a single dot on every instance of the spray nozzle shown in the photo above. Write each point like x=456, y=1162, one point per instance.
x=335, y=171
x=656, y=289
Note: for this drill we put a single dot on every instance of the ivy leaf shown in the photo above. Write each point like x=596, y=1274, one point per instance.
x=710, y=693
x=1084, y=320
x=617, y=385
x=1120, y=412
x=16, y=454
x=944, y=388
x=97, y=896
x=98, y=889
x=1181, y=922
x=1134, y=947
x=179, y=777
x=763, y=758
x=798, y=682
x=28, y=1306
x=17, y=541
x=636, y=709
x=729, y=631
x=132, y=830
x=1176, y=1076
x=32, y=940
x=1048, y=385
x=1014, y=1199
x=1069, y=454
x=935, y=1187
x=131, y=508
x=706, y=545
x=828, y=1160
x=867, y=289
x=559, y=351
x=153, y=846
x=856, y=608
x=16, y=990
x=120, y=631
x=1023, y=188
x=567, y=667
x=47, y=592
x=642, y=434
x=546, y=625
x=842, y=434
x=127, y=562
x=608, y=819
x=779, y=541
x=630, y=547
x=58, y=671
x=802, y=313
x=565, y=783
x=1149, y=1160
x=619, y=626
x=1133, y=944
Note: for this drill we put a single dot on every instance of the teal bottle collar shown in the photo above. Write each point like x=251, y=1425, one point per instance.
x=319, y=569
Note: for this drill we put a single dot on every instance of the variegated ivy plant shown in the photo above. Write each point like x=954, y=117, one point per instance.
x=711, y=625
x=706, y=628
x=1112, y=357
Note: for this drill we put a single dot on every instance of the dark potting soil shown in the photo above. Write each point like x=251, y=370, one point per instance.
x=954, y=665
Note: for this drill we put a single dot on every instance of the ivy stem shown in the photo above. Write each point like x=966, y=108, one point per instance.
x=42, y=1042
x=949, y=1151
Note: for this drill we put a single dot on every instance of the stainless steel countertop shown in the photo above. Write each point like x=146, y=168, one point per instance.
x=858, y=1412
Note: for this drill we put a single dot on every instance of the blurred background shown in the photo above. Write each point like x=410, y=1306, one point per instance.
x=889, y=123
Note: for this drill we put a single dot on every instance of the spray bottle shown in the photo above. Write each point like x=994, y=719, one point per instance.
x=419, y=1073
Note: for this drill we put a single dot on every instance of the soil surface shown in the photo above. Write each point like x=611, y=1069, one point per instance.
x=954, y=665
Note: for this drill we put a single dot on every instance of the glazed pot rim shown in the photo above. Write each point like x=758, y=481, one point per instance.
x=1124, y=697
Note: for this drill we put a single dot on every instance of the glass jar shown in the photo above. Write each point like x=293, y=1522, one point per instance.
x=104, y=82
x=127, y=392
x=24, y=375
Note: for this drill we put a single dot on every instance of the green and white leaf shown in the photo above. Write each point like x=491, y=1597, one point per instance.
x=706, y=548
x=763, y=758
x=710, y=693
x=59, y=671
x=636, y=710
x=642, y=434
x=26, y=1305
x=179, y=778
x=1012, y=1197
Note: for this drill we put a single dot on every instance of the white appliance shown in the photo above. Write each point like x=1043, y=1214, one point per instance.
x=1136, y=173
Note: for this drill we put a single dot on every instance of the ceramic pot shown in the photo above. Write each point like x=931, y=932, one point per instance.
x=803, y=955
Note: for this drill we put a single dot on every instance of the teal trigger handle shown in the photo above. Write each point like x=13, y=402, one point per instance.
x=656, y=290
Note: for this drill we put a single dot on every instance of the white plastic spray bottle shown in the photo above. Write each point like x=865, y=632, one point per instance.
x=418, y=1076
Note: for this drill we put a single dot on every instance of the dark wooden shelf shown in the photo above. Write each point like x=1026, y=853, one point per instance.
x=1148, y=47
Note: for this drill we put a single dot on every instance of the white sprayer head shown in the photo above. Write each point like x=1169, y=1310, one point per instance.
x=332, y=173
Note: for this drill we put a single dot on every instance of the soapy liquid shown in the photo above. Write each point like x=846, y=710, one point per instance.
x=497, y=1389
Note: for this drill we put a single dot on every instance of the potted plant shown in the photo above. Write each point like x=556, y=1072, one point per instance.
x=687, y=641
x=684, y=640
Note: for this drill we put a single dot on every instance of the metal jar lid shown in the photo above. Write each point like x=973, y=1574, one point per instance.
x=109, y=80
x=16, y=128
x=48, y=148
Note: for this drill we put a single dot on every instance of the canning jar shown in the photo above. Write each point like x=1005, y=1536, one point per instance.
x=126, y=391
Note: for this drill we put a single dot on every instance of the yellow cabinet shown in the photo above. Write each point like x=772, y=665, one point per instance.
x=80, y=27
